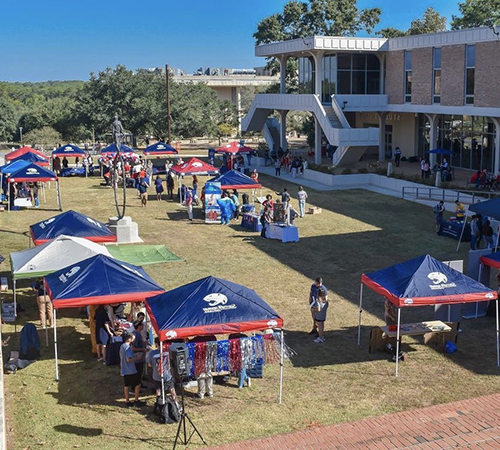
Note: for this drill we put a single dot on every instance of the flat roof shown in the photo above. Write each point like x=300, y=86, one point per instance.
x=297, y=47
x=227, y=80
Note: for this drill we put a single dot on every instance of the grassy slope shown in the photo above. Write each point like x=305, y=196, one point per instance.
x=357, y=232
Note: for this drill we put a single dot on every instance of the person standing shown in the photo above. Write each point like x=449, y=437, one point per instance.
x=153, y=361
x=170, y=186
x=397, y=156
x=313, y=299
x=475, y=231
x=143, y=190
x=487, y=232
x=103, y=332
x=189, y=205
x=195, y=185
x=158, y=187
x=459, y=211
x=438, y=215
x=302, y=197
x=320, y=309
x=45, y=308
x=139, y=346
x=277, y=167
x=265, y=220
x=131, y=378
x=285, y=197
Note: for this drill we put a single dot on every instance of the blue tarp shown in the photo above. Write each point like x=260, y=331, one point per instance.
x=160, y=148
x=99, y=280
x=14, y=166
x=71, y=223
x=235, y=180
x=32, y=172
x=68, y=150
x=112, y=149
x=426, y=281
x=490, y=208
x=210, y=306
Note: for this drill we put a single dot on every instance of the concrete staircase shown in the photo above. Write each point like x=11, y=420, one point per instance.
x=271, y=132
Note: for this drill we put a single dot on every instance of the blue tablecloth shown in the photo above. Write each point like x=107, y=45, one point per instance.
x=72, y=171
x=453, y=229
x=282, y=232
x=113, y=350
x=251, y=222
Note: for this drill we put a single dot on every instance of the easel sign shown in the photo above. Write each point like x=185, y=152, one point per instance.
x=8, y=312
x=279, y=213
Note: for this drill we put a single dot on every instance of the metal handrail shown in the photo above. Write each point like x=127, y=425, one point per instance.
x=447, y=195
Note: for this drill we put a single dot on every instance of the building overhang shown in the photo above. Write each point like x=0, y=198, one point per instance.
x=228, y=80
x=297, y=47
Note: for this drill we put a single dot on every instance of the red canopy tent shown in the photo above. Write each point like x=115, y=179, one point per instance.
x=194, y=166
x=234, y=148
x=21, y=151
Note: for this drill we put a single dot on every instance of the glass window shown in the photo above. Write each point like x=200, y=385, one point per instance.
x=359, y=62
x=373, y=82
x=358, y=82
x=372, y=62
x=344, y=61
x=471, y=56
x=407, y=76
x=470, y=60
x=328, y=84
x=344, y=82
x=306, y=76
x=437, y=58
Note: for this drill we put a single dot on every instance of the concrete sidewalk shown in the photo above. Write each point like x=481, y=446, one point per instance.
x=467, y=424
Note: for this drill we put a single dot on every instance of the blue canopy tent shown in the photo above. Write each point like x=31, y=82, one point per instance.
x=111, y=150
x=160, y=149
x=235, y=180
x=71, y=223
x=489, y=208
x=35, y=173
x=99, y=280
x=424, y=281
x=69, y=151
x=10, y=168
x=211, y=306
x=31, y=158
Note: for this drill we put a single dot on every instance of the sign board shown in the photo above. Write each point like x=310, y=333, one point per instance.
x=279, y=213
x=8, y=312
x=213, y=192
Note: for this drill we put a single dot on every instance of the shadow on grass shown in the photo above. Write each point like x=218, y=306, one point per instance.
x=78, y=431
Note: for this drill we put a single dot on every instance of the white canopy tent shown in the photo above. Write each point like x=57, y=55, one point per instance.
x=53, y=255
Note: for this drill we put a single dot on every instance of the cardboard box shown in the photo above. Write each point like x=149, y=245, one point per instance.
x=314, y=210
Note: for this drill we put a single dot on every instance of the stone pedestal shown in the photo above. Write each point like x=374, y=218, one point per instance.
x=125, y=230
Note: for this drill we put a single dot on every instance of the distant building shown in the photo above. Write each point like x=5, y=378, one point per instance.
x=371, y=95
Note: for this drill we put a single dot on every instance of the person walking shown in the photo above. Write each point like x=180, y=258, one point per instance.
x=438, y=215
x=313, y=299
x=302, y=197
x=189, y=205
x=397, y=156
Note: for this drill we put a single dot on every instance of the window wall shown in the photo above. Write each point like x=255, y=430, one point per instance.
x=358, y=74
x=471, y=139
x=306, y=75
x=329, y=77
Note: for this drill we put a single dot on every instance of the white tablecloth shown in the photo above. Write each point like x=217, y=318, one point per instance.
x=283, y=233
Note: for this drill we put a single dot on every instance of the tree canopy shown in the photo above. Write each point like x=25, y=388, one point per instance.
x=477, y=13
x=431, y=22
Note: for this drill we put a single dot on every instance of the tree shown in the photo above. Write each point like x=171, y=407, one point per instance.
x=431, y=22
x=300, y=19
x=8, y=120
x=46, y=136
x=477, y=13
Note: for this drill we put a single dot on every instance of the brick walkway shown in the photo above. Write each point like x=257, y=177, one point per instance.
x=469, y=424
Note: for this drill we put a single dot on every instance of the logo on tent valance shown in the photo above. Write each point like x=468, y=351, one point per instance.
x=440, y=281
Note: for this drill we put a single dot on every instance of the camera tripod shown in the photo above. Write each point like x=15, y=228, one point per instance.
x=182, y=424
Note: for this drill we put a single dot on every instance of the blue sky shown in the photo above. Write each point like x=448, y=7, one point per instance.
x=68, y=39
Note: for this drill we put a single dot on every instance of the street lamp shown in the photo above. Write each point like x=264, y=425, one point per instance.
x=21, y=134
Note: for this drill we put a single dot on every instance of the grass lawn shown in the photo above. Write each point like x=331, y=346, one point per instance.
x=337, y=381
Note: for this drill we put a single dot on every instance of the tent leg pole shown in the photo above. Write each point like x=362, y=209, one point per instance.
x=449, y=313
x=281, y=367
x=161, y=373
x=55, y=344
x=498, y=336
x=463, y=228
x=397, y=342
x=45, y=314
x=360, y=312
x=58, y=195
x=15, y=297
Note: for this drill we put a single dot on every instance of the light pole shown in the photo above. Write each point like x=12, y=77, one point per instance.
x=21, y=134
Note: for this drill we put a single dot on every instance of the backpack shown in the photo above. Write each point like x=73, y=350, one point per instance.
x=169, y=412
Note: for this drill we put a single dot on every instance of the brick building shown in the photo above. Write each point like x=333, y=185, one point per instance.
x=369, y=95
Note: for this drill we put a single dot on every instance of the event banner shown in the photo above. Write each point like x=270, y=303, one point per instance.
x=213, y=192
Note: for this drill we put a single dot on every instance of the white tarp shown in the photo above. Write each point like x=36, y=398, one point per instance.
x=53, y=255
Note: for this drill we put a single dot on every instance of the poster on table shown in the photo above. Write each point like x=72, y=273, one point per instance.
x=279, y=213
x=213, y=192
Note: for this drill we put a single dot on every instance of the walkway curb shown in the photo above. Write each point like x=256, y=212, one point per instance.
x=465, y=424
